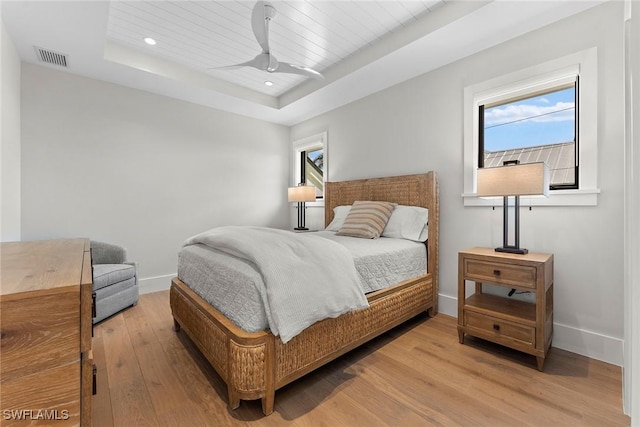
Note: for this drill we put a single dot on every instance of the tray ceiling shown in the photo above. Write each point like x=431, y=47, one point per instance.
x=202, y=35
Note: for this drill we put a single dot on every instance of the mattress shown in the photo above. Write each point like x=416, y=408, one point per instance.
x=232, y=285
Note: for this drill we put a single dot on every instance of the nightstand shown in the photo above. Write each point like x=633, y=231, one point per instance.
x=520, y=325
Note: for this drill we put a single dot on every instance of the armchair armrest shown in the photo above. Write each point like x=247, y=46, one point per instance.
x=107, y=253
x=135, y=266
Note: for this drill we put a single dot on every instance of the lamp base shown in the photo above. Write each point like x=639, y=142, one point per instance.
x=513, y=250
x=301, y=229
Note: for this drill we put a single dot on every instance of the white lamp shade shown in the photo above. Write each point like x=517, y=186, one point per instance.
x=529, y=179
x=302, y=193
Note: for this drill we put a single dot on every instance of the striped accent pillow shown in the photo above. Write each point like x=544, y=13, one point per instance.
x=366, y=219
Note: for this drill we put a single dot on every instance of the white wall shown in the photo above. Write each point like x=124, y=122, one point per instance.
x=9, y=139
x=417, y=126
x=128, y=167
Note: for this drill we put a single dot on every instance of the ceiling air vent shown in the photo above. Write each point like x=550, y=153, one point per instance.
x=51, y=57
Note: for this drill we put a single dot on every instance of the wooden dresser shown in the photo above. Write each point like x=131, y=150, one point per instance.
x=46, y=362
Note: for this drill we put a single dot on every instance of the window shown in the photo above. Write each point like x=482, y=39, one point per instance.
x=540, y=127
x=310, y=163
x=548, y=112
x=312, y=170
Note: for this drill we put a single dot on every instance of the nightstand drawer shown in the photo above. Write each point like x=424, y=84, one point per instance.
x=499, y=329
x=495, y=272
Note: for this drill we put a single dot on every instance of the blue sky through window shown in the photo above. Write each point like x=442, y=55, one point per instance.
x=540, y=120
x=313, y=156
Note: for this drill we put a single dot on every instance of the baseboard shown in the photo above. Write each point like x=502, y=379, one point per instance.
x=155, y=284
x=587, y=343
x=448, y=305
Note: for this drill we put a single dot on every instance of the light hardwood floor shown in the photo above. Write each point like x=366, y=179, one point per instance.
x=415, y=375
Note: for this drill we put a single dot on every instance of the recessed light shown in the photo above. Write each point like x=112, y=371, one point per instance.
x=268, y=83
x=149, y=40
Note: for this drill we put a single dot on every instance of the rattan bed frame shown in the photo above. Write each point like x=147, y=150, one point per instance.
x=255, y=365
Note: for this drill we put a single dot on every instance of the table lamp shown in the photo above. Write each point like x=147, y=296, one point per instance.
x=301, y=194
x=513, y=179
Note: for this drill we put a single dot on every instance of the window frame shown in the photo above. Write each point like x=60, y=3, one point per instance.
x=573, y=83
x=582, y=65
x=310, y=143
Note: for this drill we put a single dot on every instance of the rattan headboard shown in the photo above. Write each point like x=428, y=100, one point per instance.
x=413, y=190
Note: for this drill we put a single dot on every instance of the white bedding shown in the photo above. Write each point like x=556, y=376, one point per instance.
x=233, y=285
x=297, y=289
x=385, y=261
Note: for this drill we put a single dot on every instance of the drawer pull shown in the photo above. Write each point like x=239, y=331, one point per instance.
x=94, y=388
x=496, y=272
x=93, y=305
x=496, y=327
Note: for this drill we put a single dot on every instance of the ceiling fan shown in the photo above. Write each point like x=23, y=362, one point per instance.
x=263, y=12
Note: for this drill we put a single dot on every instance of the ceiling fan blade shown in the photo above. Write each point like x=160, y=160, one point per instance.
x=230, y=67
x=261, y=61
x=283, y=67
x=261, y=15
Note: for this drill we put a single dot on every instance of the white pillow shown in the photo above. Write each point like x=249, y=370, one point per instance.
x=339, y=215
x=408, y=222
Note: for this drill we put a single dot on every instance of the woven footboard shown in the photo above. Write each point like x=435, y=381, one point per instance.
x=254, y=365
x=330, y=338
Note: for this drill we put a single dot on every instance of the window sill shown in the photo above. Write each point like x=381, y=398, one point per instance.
x=584, y=197
x=317, y=203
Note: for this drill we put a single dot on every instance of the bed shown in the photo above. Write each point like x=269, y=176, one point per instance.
x=255, y=364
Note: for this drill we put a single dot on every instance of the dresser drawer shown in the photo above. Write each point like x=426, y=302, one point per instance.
x=53, y=391
x=516, y=275
x=39, y=333
x=499, y=330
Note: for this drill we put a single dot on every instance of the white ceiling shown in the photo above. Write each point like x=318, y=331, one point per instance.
x=360, y=46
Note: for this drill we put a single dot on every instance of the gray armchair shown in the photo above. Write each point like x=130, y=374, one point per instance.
x=115, y=281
